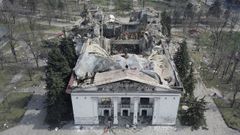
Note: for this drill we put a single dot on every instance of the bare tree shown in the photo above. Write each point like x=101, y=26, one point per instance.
x=216, y=28
x=217, y=67
x=28, y=66
x=34, y=51
x=235, y=64
x=233, y=22
x=10, y=7
x=50, y=7
x=234, y=19
x=236, y=90
x=32, y=5
x=31, y=41
x=9, y=14
x=2, y=59
x=228, y=63
x=61, y=6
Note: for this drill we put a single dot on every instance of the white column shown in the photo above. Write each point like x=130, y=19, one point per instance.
x=115, y=111
x=156, y=105
x=135, y=113
x=95, y=109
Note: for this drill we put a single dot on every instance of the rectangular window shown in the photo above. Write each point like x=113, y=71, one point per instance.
x=144, y=101
x=125, y=100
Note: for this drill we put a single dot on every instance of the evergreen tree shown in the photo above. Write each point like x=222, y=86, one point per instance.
x=166, y=24
x=185, y=70
x=61, y=60
x=57, y=75
x=189, y=83
x=68, y=50
x=181, y=60
x=58, y=63
x=193, y=113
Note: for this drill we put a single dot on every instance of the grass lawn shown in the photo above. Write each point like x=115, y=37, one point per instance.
x=230, y=115
x=13, y=108
x=101, y=2
x=25, y=82
x=6, y=75
x=24, y=27
x=158, y=4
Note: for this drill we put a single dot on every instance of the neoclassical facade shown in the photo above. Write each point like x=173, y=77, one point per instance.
x=127, y=97
x=127, y=79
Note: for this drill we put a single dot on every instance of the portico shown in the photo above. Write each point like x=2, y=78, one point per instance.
x=133, y=106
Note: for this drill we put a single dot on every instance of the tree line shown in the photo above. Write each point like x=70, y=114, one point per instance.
x=220, y=38
x=222, y=43
x=61, y=60
x=192, y=108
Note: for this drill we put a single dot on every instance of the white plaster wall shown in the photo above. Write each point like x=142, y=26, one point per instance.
x=151, y=100
x=85, y=110
x=165, y=111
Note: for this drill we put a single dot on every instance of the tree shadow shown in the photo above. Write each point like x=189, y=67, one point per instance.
x=36, y=113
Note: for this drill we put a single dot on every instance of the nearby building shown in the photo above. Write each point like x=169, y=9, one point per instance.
x=124, y=87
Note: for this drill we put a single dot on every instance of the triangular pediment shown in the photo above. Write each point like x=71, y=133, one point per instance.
x=125, y=81
x=122, y=75
x=126, y=85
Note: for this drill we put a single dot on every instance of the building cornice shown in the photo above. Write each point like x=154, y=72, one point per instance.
x=125, y=94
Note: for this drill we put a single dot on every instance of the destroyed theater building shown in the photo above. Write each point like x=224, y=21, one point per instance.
x=124, y=73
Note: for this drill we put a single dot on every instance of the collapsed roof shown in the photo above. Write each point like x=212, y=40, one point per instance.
x=95, y=63
x=128, y=56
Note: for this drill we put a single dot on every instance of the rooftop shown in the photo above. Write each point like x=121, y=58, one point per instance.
x=137, y=57
x=122, y=74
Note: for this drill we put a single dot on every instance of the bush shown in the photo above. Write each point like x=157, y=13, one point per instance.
x=192, y=112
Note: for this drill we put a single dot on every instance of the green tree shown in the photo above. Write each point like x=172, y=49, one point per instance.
x=192, y=112
x=58, y=63
x=68, y=50
x=181, y=60
x=189, y=83
x=185, y=70
x=57, y=75
x=61, y=59
x=166, y=24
